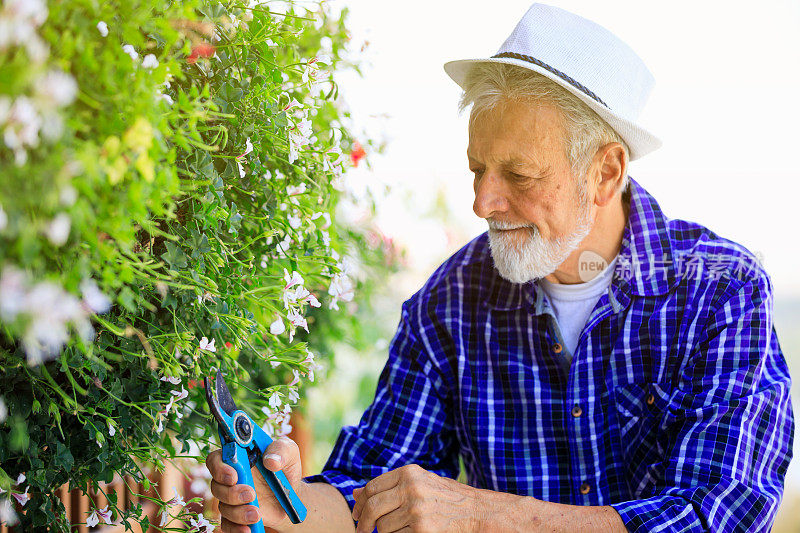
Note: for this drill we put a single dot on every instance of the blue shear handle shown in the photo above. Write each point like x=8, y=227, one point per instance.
x=236, y=457
x=277, y=481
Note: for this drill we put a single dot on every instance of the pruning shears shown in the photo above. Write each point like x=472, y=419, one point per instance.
x=243, y=443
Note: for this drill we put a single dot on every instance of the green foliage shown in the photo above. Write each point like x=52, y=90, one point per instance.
x=153, y=195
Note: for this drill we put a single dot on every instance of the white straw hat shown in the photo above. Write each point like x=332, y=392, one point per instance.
x=584, y=58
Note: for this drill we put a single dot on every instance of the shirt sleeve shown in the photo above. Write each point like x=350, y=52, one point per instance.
x=407, y=423
x=731, y=427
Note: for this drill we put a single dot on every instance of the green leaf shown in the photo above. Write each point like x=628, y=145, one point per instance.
x=174, y=256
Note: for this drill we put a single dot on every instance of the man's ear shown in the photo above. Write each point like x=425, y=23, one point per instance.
x=611, y=164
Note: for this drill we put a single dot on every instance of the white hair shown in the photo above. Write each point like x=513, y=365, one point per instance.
x=487, y=84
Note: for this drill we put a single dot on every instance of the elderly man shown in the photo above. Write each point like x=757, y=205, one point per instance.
x=595, y=365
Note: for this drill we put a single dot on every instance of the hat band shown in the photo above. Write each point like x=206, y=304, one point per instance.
x=557, y=72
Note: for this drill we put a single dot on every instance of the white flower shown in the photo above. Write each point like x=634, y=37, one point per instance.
x=56, y=89
x=67, y=195
x=167, y=98
x=3, y=411
x=102, y=27
x=150, y=61
x=58, y=229
x=297, y=320
x=275, y=400
x=177, y=500
x=341, y=288
x=294, y=220
x=7, y=514
x=164, y=517
x=93, y=520
x=23, y=497
x=201, y=524
x=321, y=58
x=131, y=51
x=180, y=395
x=208, y=346
x=293, y=190
x=20, y=479
x=294, y=153
x=111, y=429
x=293, y=279
x=304, y=129
x=248, y=147
x=312, y=300
x=93, y=297
x=282, y=247
x=277, y=327
x=105, y=514
x=293, y=396
x=175, y=380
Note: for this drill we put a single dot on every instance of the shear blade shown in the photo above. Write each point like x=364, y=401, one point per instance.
x=224, y=395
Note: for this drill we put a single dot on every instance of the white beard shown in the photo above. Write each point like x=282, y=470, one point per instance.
x=536, y=257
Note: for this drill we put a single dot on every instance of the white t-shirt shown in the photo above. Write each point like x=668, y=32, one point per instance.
x=573, y=303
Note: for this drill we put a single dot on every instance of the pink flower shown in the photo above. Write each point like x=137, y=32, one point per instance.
x=22, y=498
x=201, y=50
x=357, y=154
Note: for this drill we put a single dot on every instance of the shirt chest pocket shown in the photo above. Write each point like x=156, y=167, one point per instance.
x=639, y=408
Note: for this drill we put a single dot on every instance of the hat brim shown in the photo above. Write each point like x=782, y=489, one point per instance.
x=640, y=141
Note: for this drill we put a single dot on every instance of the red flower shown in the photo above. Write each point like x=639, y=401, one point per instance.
x=357, y=154
x=192, y=383
x=228, y=345
x=201, y=50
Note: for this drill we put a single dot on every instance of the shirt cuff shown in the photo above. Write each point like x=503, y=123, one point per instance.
x=668, y=512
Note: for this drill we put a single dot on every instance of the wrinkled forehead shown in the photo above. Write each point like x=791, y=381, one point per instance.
x=516, y=135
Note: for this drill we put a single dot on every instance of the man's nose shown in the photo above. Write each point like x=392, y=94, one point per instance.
x=490, y=196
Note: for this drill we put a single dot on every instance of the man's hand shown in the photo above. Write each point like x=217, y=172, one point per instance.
x=413, y=500
x=282, y=454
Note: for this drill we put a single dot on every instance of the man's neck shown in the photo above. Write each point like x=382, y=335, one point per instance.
x=605, y=239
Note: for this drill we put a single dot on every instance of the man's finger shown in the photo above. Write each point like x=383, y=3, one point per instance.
x=240, y=514
x=377, y=506
x=380, y=484
x=229, y=527
x=220, y=472
x=233, y=495
x=282, y=453
x=396, y=520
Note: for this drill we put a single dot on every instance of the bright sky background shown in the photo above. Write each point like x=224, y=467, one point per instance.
x=725, y=105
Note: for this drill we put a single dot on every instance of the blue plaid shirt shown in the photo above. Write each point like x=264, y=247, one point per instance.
x=674, y=408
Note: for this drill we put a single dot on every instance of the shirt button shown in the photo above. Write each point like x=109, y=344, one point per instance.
x=577, y=411
x=650, y=399
x=557, y=348
x=585, y=488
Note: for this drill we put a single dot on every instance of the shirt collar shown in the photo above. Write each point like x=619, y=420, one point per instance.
x=644, y=267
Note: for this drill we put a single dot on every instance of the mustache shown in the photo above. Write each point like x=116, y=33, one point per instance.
x=501, y=225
